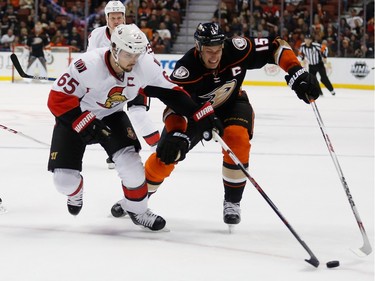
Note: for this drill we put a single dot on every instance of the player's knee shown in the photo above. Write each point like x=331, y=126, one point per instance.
x=238, y=139
x=129, y=167
x=66, y=180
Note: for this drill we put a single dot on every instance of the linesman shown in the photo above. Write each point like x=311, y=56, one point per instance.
x=316, y=55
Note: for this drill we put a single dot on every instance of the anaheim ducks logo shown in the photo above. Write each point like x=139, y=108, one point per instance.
x=221, y=94
x=115, y=98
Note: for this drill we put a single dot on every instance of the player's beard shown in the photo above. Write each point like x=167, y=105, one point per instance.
x=128, y=69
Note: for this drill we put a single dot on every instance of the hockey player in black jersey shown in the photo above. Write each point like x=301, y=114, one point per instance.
x=214, y=71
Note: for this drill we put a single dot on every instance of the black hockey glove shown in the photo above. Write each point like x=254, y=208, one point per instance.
x=173, y=147
x=90, y=129
x=207, y=121
x=303, y=83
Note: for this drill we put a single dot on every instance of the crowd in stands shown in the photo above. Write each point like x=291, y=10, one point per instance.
x=64, y=22
x=351, y=36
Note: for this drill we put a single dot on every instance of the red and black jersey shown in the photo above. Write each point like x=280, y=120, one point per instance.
x=222, y=85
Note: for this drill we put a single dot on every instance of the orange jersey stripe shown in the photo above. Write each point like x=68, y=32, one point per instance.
x=288, y=59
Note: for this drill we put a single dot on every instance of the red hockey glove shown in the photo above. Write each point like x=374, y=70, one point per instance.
x=91, y=129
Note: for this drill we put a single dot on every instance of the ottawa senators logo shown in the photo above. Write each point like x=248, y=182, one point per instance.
x=115, y=98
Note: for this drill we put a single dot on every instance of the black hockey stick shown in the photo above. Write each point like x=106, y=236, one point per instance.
x=22, y=73
x=366, y=248
x=23, y=135
x=313, y=260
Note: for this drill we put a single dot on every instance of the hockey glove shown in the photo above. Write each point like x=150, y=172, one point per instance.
x=173, y=147
x=207, y=121
x=303, y=83
x=91, y=129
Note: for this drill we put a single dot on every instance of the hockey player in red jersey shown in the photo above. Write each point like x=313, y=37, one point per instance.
x=214, y=71
x=87, y=102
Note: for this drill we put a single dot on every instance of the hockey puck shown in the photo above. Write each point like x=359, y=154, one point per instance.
x=332, y=264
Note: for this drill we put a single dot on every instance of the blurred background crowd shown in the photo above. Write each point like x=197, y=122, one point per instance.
x=346, y=27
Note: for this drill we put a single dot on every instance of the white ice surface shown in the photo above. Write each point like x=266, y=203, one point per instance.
x=40, y=241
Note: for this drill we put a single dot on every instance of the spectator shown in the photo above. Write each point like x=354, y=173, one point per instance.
x=271, y=13
x=145, y=29
x=260, y=31
x=30, y=22
x=75, y=40
x=65, y=29
x=7, y=40
x=80, y=10
x=153, y=21
x=331, y=46
x=131, y=11
x=346, y=51
x=27, y=4
x=170, y=24
x=5, y=24
x=344, y=24
x=166, y=36
x=320, y=13
x=58, y=39
x=236, y=26
x=222, y=13
x=157, y=43
x=257, y=9
x=144, y=9
x=318, y=29
x=12, y=17
x=52, y=29
x=24, y=34
x=245, y=30
x=354, y=20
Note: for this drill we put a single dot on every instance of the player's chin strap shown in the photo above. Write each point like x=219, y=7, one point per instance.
x=313, y=260
x=115, y=57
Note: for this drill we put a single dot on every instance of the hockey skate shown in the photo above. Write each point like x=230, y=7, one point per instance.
x=111, y=164
x=232, y=213
x=117, y=211
x=148, y=220
x=75, y=202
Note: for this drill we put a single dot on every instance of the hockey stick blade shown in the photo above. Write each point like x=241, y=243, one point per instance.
x=366, y=249
x=313, y=259
x=22, y=73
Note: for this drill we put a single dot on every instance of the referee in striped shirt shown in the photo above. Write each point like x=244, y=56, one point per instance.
x=316, y=54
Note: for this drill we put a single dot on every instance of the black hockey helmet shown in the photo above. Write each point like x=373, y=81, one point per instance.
x=209, y=34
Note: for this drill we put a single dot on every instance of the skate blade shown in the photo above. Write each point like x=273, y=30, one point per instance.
x=145, y=229
x=230, y=228
x=111, y=166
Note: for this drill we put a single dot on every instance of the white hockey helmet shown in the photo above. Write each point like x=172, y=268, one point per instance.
x=114, y=7
x=129, y=38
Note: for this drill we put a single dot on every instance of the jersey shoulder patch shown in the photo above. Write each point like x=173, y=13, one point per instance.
x=239, y=43
x=181, y=73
